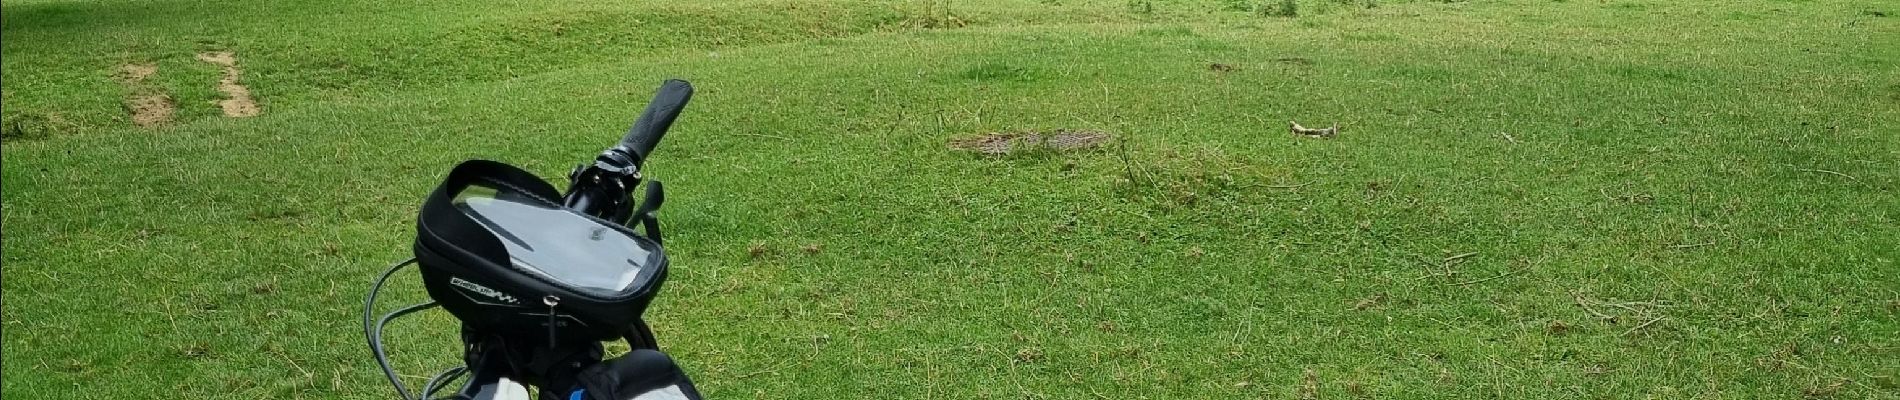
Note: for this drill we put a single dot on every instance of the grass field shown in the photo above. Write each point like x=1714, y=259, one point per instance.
x=1528, y=199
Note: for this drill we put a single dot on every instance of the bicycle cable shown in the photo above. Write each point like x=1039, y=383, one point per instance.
x=373, y=330
x=441, y=381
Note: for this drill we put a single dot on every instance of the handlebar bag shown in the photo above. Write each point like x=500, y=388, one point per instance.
x=499, y=252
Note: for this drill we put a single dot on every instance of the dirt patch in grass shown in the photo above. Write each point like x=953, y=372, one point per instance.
x=1000, y=143
x=238, y=102
x=34, y=125
x=1300, y=61
x=136, y=73
x=151, y=109
x=148, y=105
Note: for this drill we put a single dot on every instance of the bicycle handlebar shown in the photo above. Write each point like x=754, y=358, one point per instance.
x=621, y=163
x=659, y=115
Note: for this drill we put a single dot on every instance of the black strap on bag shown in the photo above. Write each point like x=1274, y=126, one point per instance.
x=638, y=375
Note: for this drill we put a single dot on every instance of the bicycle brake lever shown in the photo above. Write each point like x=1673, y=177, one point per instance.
x=649, y=221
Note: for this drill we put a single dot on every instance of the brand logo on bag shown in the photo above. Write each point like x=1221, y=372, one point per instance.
x=482, y=290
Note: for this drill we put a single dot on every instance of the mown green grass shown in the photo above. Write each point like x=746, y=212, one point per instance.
x=1663, y=168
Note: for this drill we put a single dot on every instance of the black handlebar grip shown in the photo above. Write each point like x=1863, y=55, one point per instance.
x=659, y=116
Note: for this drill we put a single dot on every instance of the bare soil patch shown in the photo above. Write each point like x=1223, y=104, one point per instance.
x=1301, y=61
x=148, y=105
x=136, y=73
x=238, y=102
x=151, y=109
x=1011, y=142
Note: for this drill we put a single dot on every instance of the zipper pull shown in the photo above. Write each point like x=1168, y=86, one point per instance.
x=551, y=301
